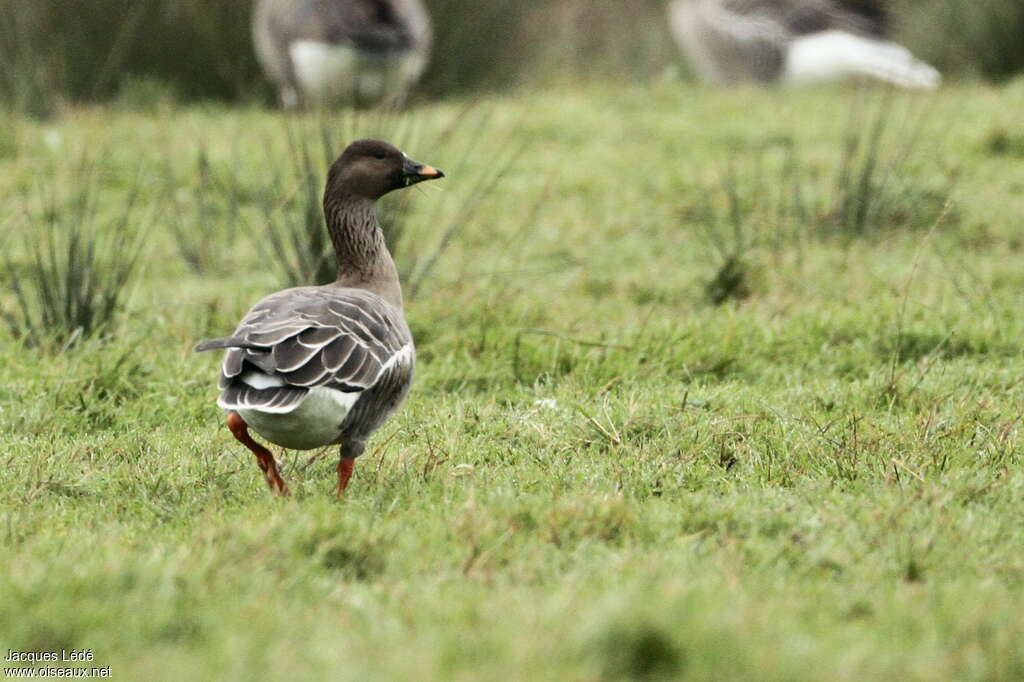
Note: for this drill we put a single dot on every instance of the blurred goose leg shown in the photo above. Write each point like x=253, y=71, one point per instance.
x=240, y=430
x=345, y=468
x=347, y=464
x=289, y=98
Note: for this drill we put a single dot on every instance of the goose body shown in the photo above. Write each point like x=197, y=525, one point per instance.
x=309, y=367
x=303, y=359
x=794, y=41
x=321, y=52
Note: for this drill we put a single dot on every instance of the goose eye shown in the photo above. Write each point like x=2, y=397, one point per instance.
x=379, y=155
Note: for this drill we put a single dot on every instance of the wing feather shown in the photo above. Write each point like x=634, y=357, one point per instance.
x=318, y=337
x=308, y=337
x=270, y=336
x=310, y=374
x=289, y=355
x=233, y=362
x=338, y=352
x=239, y=396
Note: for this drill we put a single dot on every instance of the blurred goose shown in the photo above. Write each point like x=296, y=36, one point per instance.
x=315, y=366
x=794, y=41
x=321, y=52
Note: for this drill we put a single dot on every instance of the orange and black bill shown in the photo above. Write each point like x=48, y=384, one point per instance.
x=414, y=172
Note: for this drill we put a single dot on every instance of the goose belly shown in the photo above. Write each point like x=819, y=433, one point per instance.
x=329, y=73
x=316, y=422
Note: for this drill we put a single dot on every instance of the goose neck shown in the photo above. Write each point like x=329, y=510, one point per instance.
x=363, y=258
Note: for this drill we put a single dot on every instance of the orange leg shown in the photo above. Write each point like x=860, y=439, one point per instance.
x=264, y=458
x=345, y=468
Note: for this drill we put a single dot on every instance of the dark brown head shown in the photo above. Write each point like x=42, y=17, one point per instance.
x=371, y=168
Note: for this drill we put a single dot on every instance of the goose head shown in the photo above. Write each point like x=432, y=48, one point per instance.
x=369, y=169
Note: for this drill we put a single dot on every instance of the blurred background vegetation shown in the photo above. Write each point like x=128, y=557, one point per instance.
x=54, y=52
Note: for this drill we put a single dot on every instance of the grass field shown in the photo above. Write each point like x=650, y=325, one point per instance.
x=599, y=474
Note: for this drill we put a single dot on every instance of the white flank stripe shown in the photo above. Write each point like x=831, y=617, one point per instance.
x=833, y=55
x=260, y=381
x=404, y=354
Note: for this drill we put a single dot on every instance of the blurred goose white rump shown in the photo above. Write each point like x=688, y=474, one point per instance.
x=321, y=52
x=794, y=41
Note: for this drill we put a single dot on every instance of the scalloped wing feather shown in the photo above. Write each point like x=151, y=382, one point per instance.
x=308, y=337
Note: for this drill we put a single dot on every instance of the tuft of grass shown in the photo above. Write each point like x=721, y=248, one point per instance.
x=730, y=237
x=206, y=214
x=77, y=265
x=640, y=651
x=731, y=282
x=768, y=204
x=874, y=190
x=1001, y=141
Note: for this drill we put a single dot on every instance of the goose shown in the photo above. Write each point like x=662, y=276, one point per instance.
x=794, y=41
x=314, y=366
x=323, y=52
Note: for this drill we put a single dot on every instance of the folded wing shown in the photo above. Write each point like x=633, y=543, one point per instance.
x=300, y=339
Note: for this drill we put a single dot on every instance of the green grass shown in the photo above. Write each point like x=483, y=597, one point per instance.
x=598, y=474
